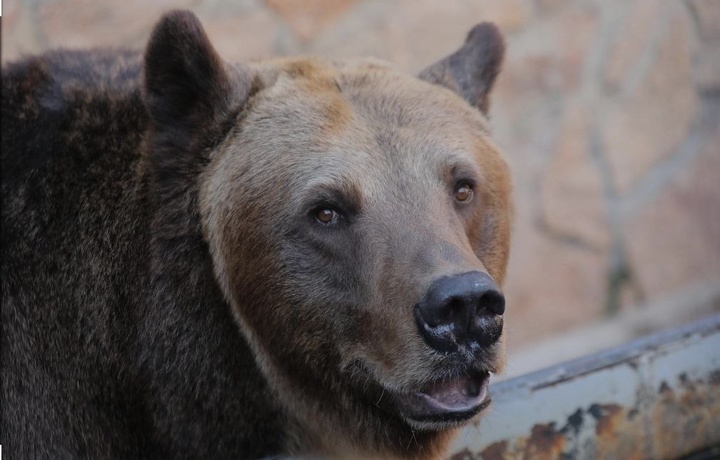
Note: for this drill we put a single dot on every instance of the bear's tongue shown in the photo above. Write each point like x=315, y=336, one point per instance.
x=458, y=393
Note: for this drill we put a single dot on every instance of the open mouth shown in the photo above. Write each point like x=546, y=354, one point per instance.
x=453, y=400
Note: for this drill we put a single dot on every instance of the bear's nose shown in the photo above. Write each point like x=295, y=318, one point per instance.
x=459, y=310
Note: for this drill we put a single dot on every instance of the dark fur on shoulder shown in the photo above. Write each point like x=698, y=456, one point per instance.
x=166, y=292
x=116, y=341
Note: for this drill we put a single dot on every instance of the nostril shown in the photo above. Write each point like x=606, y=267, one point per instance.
x=440, y=336
x=460, y=310
x=491, y=302
x=449, y=310
x=454, y=310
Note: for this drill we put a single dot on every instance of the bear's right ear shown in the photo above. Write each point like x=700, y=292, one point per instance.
x=188, y=89
x=471, y=71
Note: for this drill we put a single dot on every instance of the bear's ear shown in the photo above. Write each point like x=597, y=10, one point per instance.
x=187, y=86
x=471, y=70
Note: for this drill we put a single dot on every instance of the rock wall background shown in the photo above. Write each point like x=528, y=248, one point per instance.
x=608, y=110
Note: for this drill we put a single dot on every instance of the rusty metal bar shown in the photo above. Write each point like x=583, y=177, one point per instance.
x=655, y=398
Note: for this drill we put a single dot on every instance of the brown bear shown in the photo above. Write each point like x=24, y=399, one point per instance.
x=212, y=260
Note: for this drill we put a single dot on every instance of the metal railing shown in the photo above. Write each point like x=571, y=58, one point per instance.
x=655, y=398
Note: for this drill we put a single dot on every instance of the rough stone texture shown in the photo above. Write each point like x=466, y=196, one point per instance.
x=653, y=113
x=130, y=25
x=550, y=5
x=676, y=237
x=639, y=29
x=308, y=17
x=607, y=109
x=20, y=31
x=706, y=14
x=554, y=286
x=250, y=35
x=707, y=68
x=572, y=192
x=546, y=62
x=401, y=31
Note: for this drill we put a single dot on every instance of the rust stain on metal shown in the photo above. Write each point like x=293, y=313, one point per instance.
x=495, y=451
x=545, y=442
x=617, y=434
x=608, y=417
x=657, y=398
x=686, y=417
x=464, y=454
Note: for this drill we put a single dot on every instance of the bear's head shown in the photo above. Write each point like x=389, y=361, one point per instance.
x=358, y=223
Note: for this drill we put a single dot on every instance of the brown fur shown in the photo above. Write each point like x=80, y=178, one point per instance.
x=226, y=168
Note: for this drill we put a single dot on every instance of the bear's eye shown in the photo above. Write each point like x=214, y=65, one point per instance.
x=327, y=216
x=463, y=192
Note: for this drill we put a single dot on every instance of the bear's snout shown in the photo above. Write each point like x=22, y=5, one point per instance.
x=461, y=310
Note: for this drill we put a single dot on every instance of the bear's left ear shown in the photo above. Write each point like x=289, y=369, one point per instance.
x=188, y=88
x=471, y=70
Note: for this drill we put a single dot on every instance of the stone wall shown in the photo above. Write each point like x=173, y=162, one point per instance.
x=608, y=110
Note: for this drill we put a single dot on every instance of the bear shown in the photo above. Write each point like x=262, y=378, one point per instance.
x=284, y=257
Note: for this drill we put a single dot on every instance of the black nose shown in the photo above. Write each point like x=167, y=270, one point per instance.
x=461, y=310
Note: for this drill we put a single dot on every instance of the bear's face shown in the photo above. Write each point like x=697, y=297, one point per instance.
x=333, y=206
x=358, y=222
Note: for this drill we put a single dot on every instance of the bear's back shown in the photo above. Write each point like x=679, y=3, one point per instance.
x=72, y=129
x=91, y=365
x=72, y=126
x=69, y=106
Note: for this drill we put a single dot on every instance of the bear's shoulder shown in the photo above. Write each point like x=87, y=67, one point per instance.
x=69, y=105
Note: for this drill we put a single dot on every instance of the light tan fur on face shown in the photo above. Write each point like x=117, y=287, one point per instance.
x=390, y=141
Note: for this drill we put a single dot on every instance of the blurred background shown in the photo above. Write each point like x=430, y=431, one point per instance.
x=608, y=112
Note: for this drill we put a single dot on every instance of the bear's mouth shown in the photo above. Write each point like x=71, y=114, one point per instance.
x=448, y=401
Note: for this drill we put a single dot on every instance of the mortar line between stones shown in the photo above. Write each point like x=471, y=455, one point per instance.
x=565, y=238
x=612, y=22
x=694, y=14
x=619, y=273
x=637, y=72
x=654, y=181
